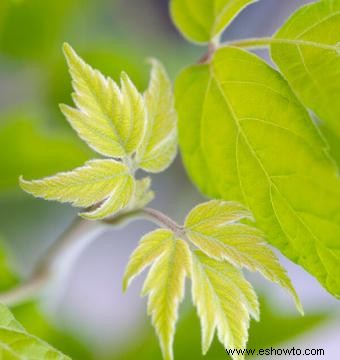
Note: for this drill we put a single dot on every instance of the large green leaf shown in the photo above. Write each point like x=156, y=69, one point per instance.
x=311, y=61
x=203, y=20
x=16, y=343
x=248, y=138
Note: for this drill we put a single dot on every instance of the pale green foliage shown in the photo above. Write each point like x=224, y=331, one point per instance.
x=83, y=186
x=249, y=139
x=109, y=119
x=220, y=246
x=118, y=122
x=159, y=144
x=16, y=343
x=142, y=195
x=312, y=63
x=203, y=20
x=224, y=300
x=214, y=228
x=171, y=262
x=99, y=180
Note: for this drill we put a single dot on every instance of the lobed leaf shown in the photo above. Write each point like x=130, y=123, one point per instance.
x=165, y=287
x=118, y=199
x=249, y=139
x=16, y=343
x=214, y=228
x=159, y=144
x=224, y=300
x=203, y=20
x=171, y=262
x=142, y=195
x=150, y=247
x=311, y=60
x=97, y=181
x=109, y=119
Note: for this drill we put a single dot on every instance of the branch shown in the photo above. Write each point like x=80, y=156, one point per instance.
x=73, y=239
x=260, y=43
x=263, y=43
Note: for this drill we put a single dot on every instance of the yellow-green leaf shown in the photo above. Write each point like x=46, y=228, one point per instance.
x=159, y=144
x=96, y=181
x=224, y=300
x=216, y=213
x=165, y=287
x=142, y=195
x=249, y=139
x=150, y=247
x=310, y=59
x=118, y=199
x=109, y=119
x=214, y=228
x=16, y=343
x=203, y=20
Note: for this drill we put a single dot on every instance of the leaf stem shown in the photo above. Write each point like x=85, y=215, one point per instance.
x=258, y=43
x=69, y=245
x=263, y=43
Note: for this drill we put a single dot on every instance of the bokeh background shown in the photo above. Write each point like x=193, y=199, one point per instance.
x=85, y=313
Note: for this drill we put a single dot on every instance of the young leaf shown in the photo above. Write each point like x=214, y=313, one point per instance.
x=171, y=262
x=109, y=119
x=249, y=139
x=311, y=61
x=214, y=228
x=142, y=195
x=16, y=343
x=203, y=20
x=159, y=144
x=150, y=247
x=98, y=180
x=118, y=199
x=224, y=299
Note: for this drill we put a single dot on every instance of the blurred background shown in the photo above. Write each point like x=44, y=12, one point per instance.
x=85, y=314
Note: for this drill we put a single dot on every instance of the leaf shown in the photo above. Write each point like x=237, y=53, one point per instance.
x=98, y=180
x=214, y=228
x=150, y=247
x=249, y=139
x=311, y=61
x=171, y=262
x=203, y=20
x=224, y=299
x=142, y=195
x=15, y=343
x=159, y=144
x=109, y=119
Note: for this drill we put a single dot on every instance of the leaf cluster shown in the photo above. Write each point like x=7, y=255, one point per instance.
x=132, y=130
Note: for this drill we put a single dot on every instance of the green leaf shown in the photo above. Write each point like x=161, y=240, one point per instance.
x=214, y=228
x=150, y=247
x=16, y=343
x=159, y=144
x=142, y=195
x=203, y=20
x=109, y=119
x=311, y=62
x=99, y=180
x=171, y=262
x=224, y=299
x=249, y=139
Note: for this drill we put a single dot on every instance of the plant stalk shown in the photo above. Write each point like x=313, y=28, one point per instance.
x=68, y=247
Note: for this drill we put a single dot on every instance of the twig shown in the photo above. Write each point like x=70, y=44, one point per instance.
x=69, y=239
x=262, y=43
